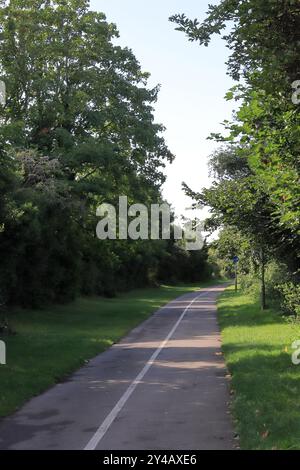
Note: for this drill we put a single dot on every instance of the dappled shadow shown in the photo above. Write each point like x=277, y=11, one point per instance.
x=189, y=370
x=195, y=377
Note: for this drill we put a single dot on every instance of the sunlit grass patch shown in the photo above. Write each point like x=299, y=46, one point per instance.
x=266, y=384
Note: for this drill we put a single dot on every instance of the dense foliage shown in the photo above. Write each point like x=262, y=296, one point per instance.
x=77, y=130
x=256, y=189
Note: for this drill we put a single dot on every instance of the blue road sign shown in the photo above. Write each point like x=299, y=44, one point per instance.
x=236, y=259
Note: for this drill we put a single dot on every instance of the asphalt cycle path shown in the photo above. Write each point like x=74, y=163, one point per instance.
x=164, y=386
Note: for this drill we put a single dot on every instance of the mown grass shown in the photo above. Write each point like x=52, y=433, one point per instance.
x=53, y=342
x=265, y=383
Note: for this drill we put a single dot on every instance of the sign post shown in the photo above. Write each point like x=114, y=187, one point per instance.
x=236, y=262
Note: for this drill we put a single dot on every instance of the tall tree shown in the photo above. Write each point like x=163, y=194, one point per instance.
x=77, y=129
x=263, y=37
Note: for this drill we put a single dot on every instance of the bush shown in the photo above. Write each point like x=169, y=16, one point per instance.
x=290, y=298
x=276, y=275
x=250, y=283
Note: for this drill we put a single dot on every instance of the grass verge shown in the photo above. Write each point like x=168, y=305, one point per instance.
x=265, y=383
x=53, y=342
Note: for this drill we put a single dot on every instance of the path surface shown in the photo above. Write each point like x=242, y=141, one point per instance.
x=164, y=386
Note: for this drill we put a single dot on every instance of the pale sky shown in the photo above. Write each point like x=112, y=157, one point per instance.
x=193, y=83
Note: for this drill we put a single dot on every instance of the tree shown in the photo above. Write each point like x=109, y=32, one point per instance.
x=263, y=201
x=77, y=130
x=237, y=200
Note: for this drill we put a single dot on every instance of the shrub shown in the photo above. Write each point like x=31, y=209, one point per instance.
x=290, y=298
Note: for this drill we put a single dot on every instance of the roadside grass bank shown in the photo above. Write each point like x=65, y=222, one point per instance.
x=53, y=342
x=265, y=384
